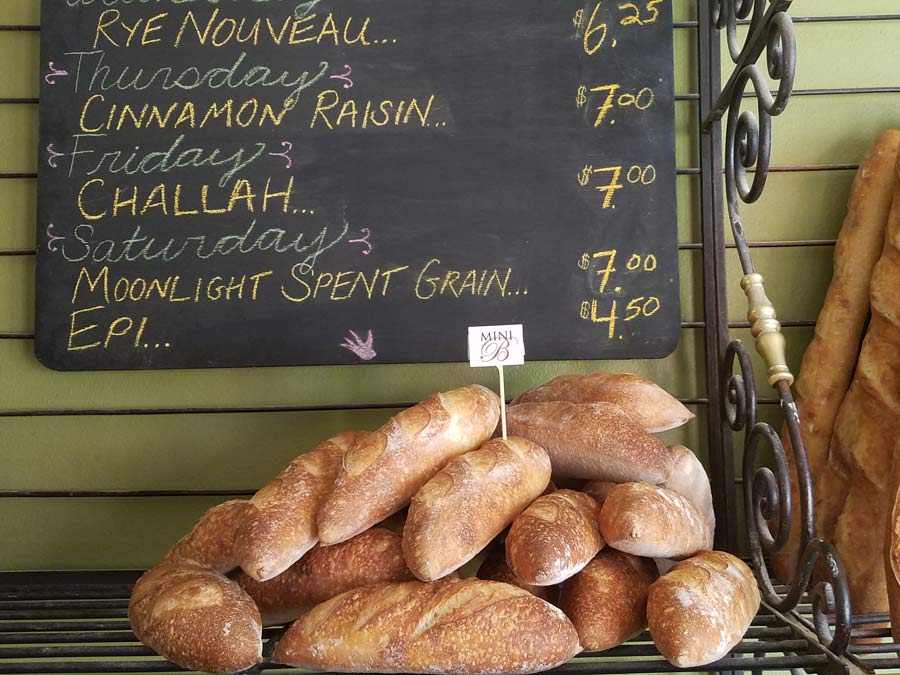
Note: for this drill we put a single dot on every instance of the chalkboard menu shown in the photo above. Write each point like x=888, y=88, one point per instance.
x=274, y=182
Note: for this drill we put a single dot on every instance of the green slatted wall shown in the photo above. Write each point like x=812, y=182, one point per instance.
x=240, y=450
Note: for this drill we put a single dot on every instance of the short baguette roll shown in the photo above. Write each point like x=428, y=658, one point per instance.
x=702, y=608
x=280, y=524
x=450, y=626
x=211, y=541
x=197, y=618
x=469, y=502
x=495, y=568
x=373, y=557
x=653, y=522
x=554, y=538
x=689, y=479
x=651, y=406
x=594, y=441
x=381, y=474
x=607, y=600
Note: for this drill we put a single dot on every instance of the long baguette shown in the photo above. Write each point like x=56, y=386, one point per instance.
x=830, y=358
x=381, y=474
x=450, y=626
x=469, y=502
x=280, y=524
x=210, y=542
x=651, y=406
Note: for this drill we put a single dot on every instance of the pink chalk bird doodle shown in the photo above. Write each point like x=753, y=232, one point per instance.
x=362, y=348
x=52, y=239
x=53, y=155
x=366, y=232
x=286, y=153
x=53, y=73
x=345, y=77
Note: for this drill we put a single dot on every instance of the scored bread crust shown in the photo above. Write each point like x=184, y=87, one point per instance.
x=702, y=608
x=593, y=441
x=449, y=626
x=373, y=557
x=554, y=538
x=651, y=405
x=652, y=521
x=196, y=617
x=381, y=473
x=210, y=542
x=280, y=524
x=469, y=502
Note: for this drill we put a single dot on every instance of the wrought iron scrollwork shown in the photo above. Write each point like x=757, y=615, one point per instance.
x=768, y=497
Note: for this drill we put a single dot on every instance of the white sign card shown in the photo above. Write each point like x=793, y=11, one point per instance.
x=497, y=346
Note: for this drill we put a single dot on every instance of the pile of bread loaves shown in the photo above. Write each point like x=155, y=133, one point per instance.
x=576, y=569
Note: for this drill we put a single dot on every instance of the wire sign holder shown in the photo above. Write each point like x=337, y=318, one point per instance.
x=767, y=496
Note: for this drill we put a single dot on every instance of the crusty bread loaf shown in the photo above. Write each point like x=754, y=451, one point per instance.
x=701, y=609
x=211, y=541
x=866, y=431
x=689, y=479
x=381, y=473
x=450, y=626
x=554, y=538
x=495, y=568
x=830, y=359
x=653, y=522
x=653, y=408
x=607, y=600
x=892, y=555
x=373, y=557
x=280, y=524
x=595, y=441
x=598, y=489
x=196, y=617
x=469, y=502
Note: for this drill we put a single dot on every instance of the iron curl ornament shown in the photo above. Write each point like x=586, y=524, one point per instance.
x=750, y=100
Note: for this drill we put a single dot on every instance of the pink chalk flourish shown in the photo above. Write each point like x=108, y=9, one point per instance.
x=364, y=240
x=345, y=77
x=362, y=348
x=288, y=146
x=53, y=73
x=52, y=239
x=53, y=156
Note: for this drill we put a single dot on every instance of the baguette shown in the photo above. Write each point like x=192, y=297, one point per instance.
x=595, y=441
x=280, y=524
x=653, y=522
x=892, y=557
x=495, y=568
x=866, y=430
x=702, y=608
x=196, y=618
x=653, y=408
x=469, y=502
x=373, y=557
x=554, y=538
x=211, y=541
x=689, y=479
x=830, y=359
x=450, y=626
x=381, y=473
x=607, y=600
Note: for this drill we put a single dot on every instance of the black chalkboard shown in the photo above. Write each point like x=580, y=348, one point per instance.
x=275, y=182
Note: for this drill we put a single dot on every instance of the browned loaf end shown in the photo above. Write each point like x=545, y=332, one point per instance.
x=702, y=608
x=211, y=541
x=450, y=626
x=470, y=501
x=495, y=568
x=373, y=557
x=607, y=600
x=593, y=441
x=689, y=479
x=653, y=408
x=381, y=473
x=653, y=522
x=196, y=617
x=554, y=538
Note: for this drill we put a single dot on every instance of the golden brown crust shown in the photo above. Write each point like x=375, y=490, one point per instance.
x=689, y=479
x=607, y=600
x=495, y=568
x=892, y=560
x=554, y=538
x=702, y=608
x=653, y=522
x=469, y=502
x=449, y=626
x=593, y=441
x=381, y=474
x=196, y=617
x=211, y=541
x=373, y=557
x=652, y=407
x=598, y=489
x=280, y=524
